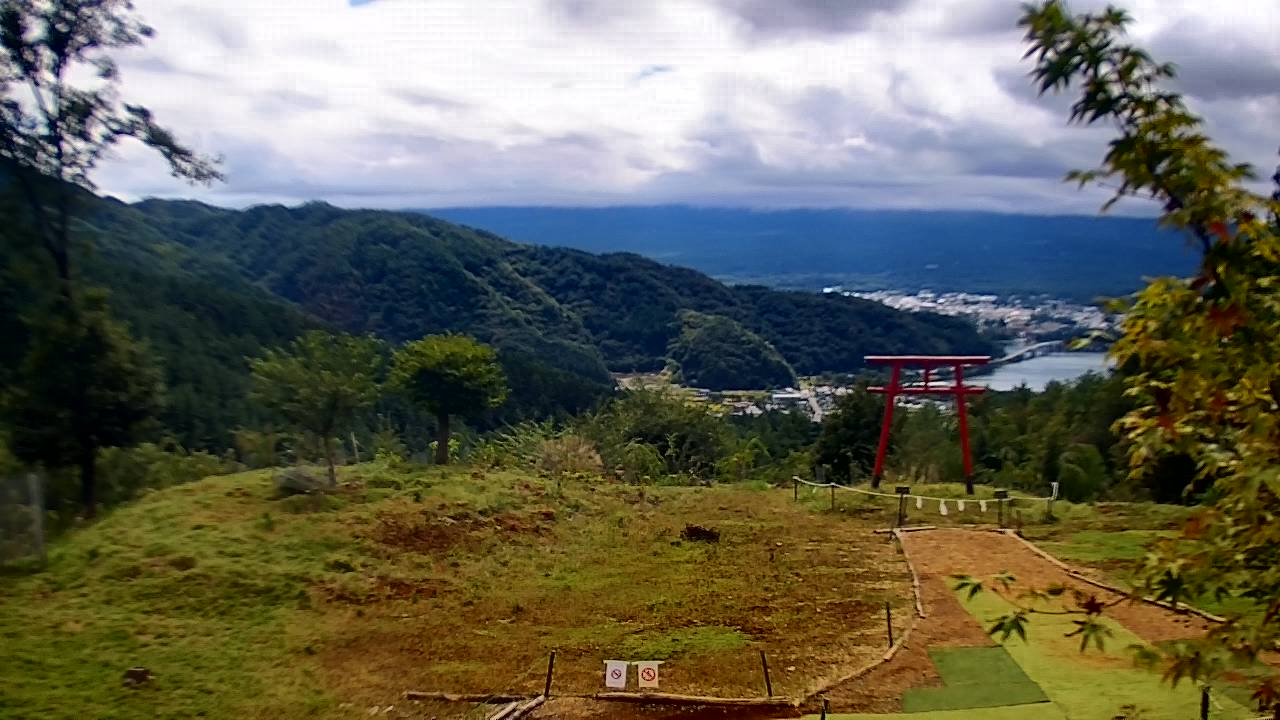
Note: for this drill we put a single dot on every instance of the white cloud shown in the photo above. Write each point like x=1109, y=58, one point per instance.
x=439, y=102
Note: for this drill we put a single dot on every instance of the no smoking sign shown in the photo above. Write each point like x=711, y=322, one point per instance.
x=615, y=673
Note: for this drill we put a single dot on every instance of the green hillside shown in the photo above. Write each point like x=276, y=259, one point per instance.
x=208, y=286
x=716, y=352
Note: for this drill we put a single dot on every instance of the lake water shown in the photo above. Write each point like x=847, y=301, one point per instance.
x=1038, y=372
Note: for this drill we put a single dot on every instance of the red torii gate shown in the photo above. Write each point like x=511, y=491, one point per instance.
x=957, y=389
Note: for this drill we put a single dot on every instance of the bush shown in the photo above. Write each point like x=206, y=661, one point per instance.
x=570, y=454
x=123, y=473
x=688, y=439
x=640, y=463
x=517, y=446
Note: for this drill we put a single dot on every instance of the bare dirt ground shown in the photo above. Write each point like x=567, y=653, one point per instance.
x=938, y=555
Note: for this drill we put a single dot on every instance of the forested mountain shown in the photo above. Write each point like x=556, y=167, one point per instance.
x=716, y=352
x=208, y=286
x=1066, y=256
x=198, y=314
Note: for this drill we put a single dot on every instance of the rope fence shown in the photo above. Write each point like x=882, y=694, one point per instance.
x=903, y=494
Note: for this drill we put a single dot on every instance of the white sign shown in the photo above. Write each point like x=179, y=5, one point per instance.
x=615, y=673
x=647, y=671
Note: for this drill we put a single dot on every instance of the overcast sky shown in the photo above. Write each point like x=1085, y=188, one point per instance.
x=751, y=103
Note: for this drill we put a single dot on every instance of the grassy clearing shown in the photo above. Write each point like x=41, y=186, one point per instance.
x=245, y=606
x=1091, y=684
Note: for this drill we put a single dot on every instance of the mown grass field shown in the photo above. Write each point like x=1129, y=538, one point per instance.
x=248, y=606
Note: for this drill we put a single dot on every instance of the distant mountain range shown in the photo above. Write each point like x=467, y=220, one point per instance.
x=1072, y=257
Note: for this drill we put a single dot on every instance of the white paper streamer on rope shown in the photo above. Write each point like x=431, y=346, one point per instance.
x=982, y=505
x=942, y=507
x=960, y=505
x=919, y=503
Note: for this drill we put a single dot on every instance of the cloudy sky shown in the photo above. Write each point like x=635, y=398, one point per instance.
x=751, y=103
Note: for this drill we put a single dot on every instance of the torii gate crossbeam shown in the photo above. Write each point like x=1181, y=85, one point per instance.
x=928, y=363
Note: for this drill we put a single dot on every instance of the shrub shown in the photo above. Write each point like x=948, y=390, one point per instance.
x=126, y=472
x=687, y=437
x=570, y=454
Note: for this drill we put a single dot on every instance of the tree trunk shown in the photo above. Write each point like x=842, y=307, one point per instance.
x=442, y=439
x=328, y=457
x=89, y=480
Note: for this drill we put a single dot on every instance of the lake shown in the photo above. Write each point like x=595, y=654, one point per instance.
x=1038, y=372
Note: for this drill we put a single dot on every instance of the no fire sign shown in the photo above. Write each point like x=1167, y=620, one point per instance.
x=647, y=671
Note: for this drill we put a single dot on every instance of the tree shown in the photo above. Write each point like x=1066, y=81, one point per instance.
x=1199, y=355
x=850, y=435
x=320, y=383
x=53, y=132
x=449, y=375
x=84, y=384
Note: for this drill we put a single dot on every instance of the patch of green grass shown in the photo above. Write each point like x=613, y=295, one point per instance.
x=665, y=644
x=1039, y=711
x=1105, y=546
x=1094, y=684
x=978, y=677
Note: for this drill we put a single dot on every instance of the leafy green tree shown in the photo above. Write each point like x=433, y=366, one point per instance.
x=1200, y=354
x=83, y=385
x=449, y=375
x=688, y=438
x=56, y=123
x=850, y=435
x=320, y=384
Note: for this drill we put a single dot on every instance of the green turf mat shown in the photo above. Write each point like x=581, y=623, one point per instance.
x=1039, y=711
x=975, y=677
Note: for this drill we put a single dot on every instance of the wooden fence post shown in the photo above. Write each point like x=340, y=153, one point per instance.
x=768, y=684
x=888, y=621
x=551, y=667
x=902, y=491
x=35, y=495
x=1001, y=497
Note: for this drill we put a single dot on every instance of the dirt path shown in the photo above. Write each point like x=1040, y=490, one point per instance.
x=939, y=554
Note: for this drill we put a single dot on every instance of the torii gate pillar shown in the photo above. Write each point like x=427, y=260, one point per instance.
x=957, y=389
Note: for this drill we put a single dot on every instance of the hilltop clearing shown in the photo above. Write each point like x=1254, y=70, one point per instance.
x=245, y=606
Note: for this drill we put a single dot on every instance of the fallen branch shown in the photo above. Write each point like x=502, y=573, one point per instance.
x=518, y=709
x=915, y=577
x=485, y=698
x=672, y=699
x=504, y=712
x=913, y=528
x=886, y=657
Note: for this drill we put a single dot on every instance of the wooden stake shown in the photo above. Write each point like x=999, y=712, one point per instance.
x=36, y=498
x=826, y=707
x=768, y=685
x=833, y=497
x=795, y=494
x=551, y=667
x=1204, y=703
x=888, y=619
